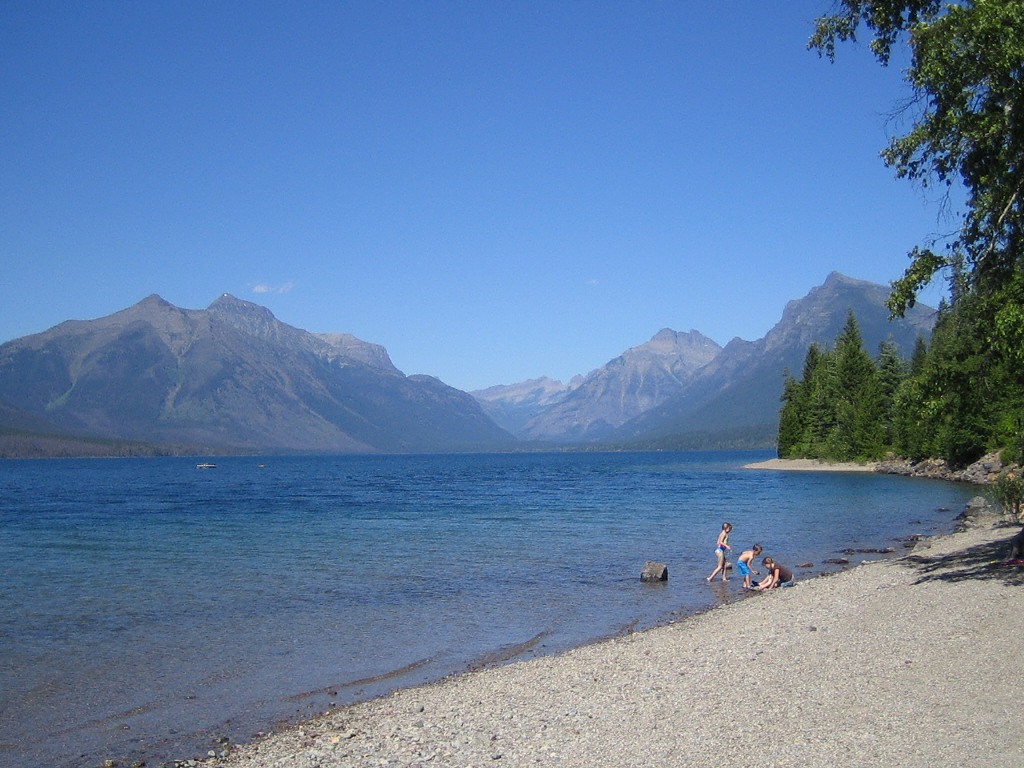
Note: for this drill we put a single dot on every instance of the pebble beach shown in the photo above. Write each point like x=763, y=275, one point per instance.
x=905, y=662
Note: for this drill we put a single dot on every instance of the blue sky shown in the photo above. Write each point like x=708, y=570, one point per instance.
x=493, y=191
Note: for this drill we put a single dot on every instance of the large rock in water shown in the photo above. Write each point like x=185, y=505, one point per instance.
x=654, y=572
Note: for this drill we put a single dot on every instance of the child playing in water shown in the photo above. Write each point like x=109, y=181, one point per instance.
x=744, y=561
x=721, y=547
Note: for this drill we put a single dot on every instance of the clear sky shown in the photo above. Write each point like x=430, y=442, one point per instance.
x=493, y=191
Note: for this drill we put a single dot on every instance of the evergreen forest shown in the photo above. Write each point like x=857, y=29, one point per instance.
x=958, y=396
x=961, y=394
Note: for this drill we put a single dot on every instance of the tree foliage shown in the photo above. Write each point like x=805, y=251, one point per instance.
x=1009, y=492
x=841, y=408
x=966, y=71
x=965, y=394
x=951, y=400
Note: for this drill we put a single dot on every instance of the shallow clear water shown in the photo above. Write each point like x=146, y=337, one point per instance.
x=149, y=607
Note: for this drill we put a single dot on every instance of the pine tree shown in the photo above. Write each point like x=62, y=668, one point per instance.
x=792, y=419
x=846, y=407
x=857, y=400
x=892, y=371
x=818, y=401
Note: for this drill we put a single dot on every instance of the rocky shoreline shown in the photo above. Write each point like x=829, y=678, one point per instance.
x=982, y=472
x=911, y=661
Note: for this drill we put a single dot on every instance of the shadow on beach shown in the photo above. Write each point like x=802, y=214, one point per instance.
x=979, y=562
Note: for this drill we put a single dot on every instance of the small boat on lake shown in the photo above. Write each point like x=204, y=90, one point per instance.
x=206, y=465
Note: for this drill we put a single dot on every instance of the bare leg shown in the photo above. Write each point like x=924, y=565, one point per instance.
x=720, y=568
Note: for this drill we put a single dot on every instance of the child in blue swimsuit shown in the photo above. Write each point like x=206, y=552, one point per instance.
x=744, y=561
x=721, y=547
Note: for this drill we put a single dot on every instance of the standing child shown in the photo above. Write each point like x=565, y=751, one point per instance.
x=721, y=547
x=744, y=561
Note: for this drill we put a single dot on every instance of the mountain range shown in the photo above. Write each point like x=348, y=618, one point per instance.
x=155, y=378
x=228, y=378
x=639, y=379
x=697, y=394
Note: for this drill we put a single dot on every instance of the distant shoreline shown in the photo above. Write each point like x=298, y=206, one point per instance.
x=812, y=465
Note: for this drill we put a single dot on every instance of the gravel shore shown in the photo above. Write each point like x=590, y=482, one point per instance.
x=908, y=662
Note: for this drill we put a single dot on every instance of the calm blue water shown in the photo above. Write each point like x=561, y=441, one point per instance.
x=149, y=608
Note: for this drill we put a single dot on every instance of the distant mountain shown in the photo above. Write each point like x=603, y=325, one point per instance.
x=356, y=350
x=512, y=406
x=640, y=379
x=230, y=377
x=734, y=400
x=682, y=390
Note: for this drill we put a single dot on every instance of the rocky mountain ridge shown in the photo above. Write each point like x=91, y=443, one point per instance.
x=734, y=401
x=511, y=406
x=233, y=377
x=228, y=378
x=641, y=378
x=710, y=396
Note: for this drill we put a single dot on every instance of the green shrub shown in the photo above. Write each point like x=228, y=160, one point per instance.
x=1008, y=490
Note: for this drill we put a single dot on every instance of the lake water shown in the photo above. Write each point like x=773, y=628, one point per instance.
x=149, y=608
